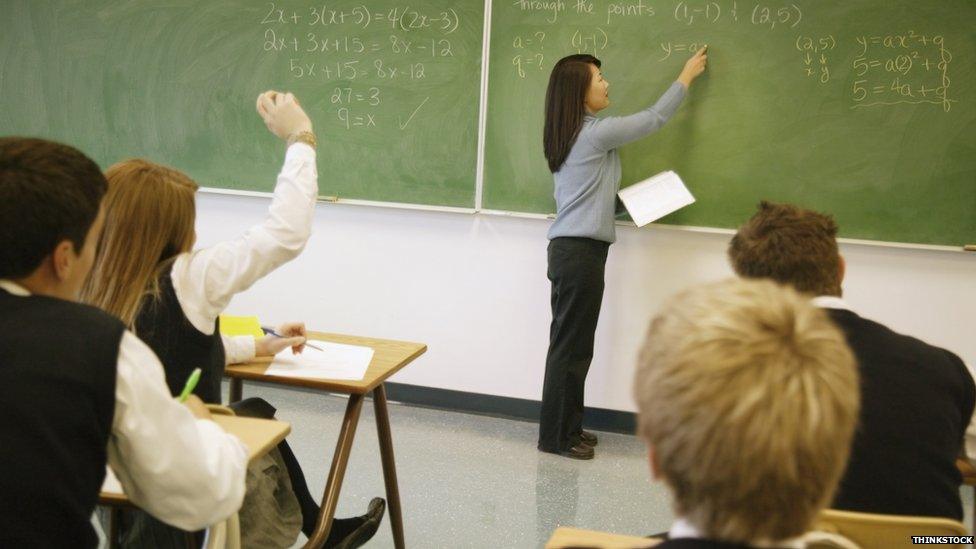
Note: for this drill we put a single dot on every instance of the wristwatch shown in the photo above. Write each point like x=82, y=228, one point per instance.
x=306, y=137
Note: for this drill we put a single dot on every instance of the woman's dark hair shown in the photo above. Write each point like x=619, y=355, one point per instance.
x=568, y=84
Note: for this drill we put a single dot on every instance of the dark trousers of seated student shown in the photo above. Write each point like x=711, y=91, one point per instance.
x=139, y=529
x=576, y=267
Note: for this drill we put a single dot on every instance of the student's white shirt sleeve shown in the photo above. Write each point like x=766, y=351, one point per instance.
x=185, y=471
x=970, y=442
x=205, y=280
x=238, y=349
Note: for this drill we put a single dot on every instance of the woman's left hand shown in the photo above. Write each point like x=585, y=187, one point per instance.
x=294, y=337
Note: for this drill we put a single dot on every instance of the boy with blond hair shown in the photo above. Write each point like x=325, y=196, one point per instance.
x=747, y=398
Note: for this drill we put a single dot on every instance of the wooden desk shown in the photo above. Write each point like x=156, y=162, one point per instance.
x=388, y=358
x=565, y=537
x=969, y=479
x=260, y=436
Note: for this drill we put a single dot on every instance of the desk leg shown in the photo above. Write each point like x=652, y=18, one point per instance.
x=334, y=483
x=389, y=465
x=113, y=527
x=236, y=389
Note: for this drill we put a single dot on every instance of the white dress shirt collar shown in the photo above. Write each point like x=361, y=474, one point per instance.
x=681, y=528
x=14, y=288
x=831, y=302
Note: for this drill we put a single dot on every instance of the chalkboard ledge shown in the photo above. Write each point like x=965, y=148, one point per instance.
x=550, y=217
x=349, y=201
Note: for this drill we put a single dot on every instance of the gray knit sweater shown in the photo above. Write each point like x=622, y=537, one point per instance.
x=586, y=184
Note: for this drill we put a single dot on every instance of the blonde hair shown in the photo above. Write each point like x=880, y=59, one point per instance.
x=150, y=213
x=748, y=396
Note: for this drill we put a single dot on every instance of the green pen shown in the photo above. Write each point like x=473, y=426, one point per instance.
x=191, y=384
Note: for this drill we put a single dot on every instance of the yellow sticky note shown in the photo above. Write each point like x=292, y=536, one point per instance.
x=240, y=326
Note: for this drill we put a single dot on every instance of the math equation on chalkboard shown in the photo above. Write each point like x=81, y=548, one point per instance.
x=364, y=55
x=878, y=69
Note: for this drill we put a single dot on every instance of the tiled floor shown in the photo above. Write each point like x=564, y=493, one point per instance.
x=470, y=481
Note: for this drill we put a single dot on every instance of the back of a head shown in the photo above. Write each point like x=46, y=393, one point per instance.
x=748, y=396
x=150, y=214
x=565, y=96
x=790, y=245
x=49, y=192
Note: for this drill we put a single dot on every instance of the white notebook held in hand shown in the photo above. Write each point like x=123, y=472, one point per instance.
x=655, y=197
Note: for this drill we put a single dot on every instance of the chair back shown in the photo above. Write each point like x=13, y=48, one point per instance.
x=224, y=535
x=872, y=531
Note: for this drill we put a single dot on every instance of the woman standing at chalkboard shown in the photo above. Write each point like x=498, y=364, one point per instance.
x=581, y=150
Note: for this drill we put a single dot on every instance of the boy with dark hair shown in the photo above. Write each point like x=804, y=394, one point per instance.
x=51, y=195
x=79, y=390
x=917, y=399
x=791, y=246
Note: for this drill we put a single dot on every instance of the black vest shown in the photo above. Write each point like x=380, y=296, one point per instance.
x=916, y=402
x=58, y=363
x=179, y=345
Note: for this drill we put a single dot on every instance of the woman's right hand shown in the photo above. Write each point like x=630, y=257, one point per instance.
x=293, y=335
x=694, y=67
x=282, y=114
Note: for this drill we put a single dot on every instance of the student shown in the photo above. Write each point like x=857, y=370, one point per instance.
x=78, y=388
x=747, y=399
x=148, y=274
x=581, y=150
x=917, y=399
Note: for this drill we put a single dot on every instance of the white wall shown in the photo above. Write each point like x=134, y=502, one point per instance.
x=474, y=289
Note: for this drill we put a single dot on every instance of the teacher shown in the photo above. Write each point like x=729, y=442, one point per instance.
x=581, y=150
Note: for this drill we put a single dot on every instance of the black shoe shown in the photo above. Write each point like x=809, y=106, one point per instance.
x=359, y=536
x=588, y=438
x=580, y=451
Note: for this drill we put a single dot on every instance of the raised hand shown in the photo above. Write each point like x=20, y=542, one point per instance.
x=282, y=114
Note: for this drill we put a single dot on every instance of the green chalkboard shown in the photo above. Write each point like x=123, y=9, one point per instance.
x=392, y=87
x=864, y=109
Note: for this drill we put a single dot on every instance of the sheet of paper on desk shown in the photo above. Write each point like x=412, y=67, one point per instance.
x=334, y=361
x=655, y=198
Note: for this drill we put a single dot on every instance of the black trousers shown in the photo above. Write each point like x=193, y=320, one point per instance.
x=576, y=267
